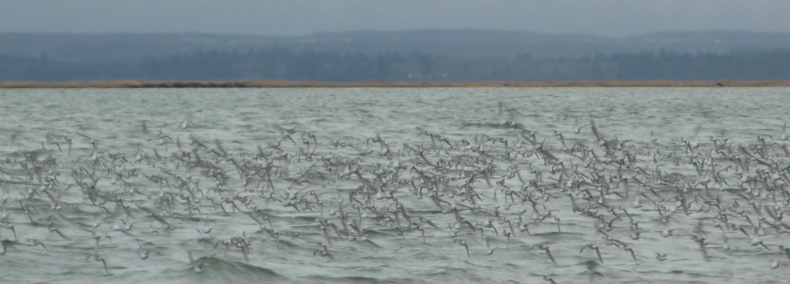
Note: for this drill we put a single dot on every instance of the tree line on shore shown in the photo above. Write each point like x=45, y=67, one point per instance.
x=284, y=64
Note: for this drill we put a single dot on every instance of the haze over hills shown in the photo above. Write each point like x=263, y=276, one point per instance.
x=415, y=55
x=460, y=43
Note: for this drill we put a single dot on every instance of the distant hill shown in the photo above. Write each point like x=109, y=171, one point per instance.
x=418, y=55
x=121, y=46
x=462, y=43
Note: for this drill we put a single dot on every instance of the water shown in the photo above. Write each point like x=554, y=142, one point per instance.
x=234, y=123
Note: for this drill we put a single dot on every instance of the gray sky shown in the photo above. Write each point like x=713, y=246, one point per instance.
x=301, y=17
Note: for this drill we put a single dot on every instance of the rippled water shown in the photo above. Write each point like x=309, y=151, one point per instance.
x=297, y=186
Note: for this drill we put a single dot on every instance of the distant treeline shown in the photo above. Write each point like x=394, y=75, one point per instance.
x=283, y=64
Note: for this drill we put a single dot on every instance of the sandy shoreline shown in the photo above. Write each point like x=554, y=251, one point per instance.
x=376, y=84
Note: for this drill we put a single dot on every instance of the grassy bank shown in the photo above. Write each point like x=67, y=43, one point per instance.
x=376, y=84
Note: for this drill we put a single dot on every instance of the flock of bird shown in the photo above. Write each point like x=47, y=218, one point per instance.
x=481, y=195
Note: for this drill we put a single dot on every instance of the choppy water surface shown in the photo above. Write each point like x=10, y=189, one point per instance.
x=394, y=185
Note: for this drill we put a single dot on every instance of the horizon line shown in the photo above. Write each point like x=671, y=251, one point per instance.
x=319, y=33
x=119, y=84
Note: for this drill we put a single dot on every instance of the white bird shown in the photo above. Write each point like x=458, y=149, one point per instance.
x=490, y=250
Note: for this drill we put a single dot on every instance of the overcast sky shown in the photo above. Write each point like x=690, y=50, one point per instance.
x=302, y=17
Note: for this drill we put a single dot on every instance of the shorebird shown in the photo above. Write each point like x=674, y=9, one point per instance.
x=666, y=233
x=522, y=227
x=591, y=272
x=203, y=232
x=37, y=243
x=422, y=230
x=702, y=247
x=96, y=256
x=593, y=247
x=507, y=234
x=626, y=248
x=323, y=252
x=143, y=252
x=753, y=240
x=198, y=267
x=11, y=227
x=5, y=246
x=54, y=230
x=558, y=224
x=103, y=262
x=463, y=243
x=784, y=250
x=488, y=246
x=636, y=203
x=123, y=227
x=545, y=248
